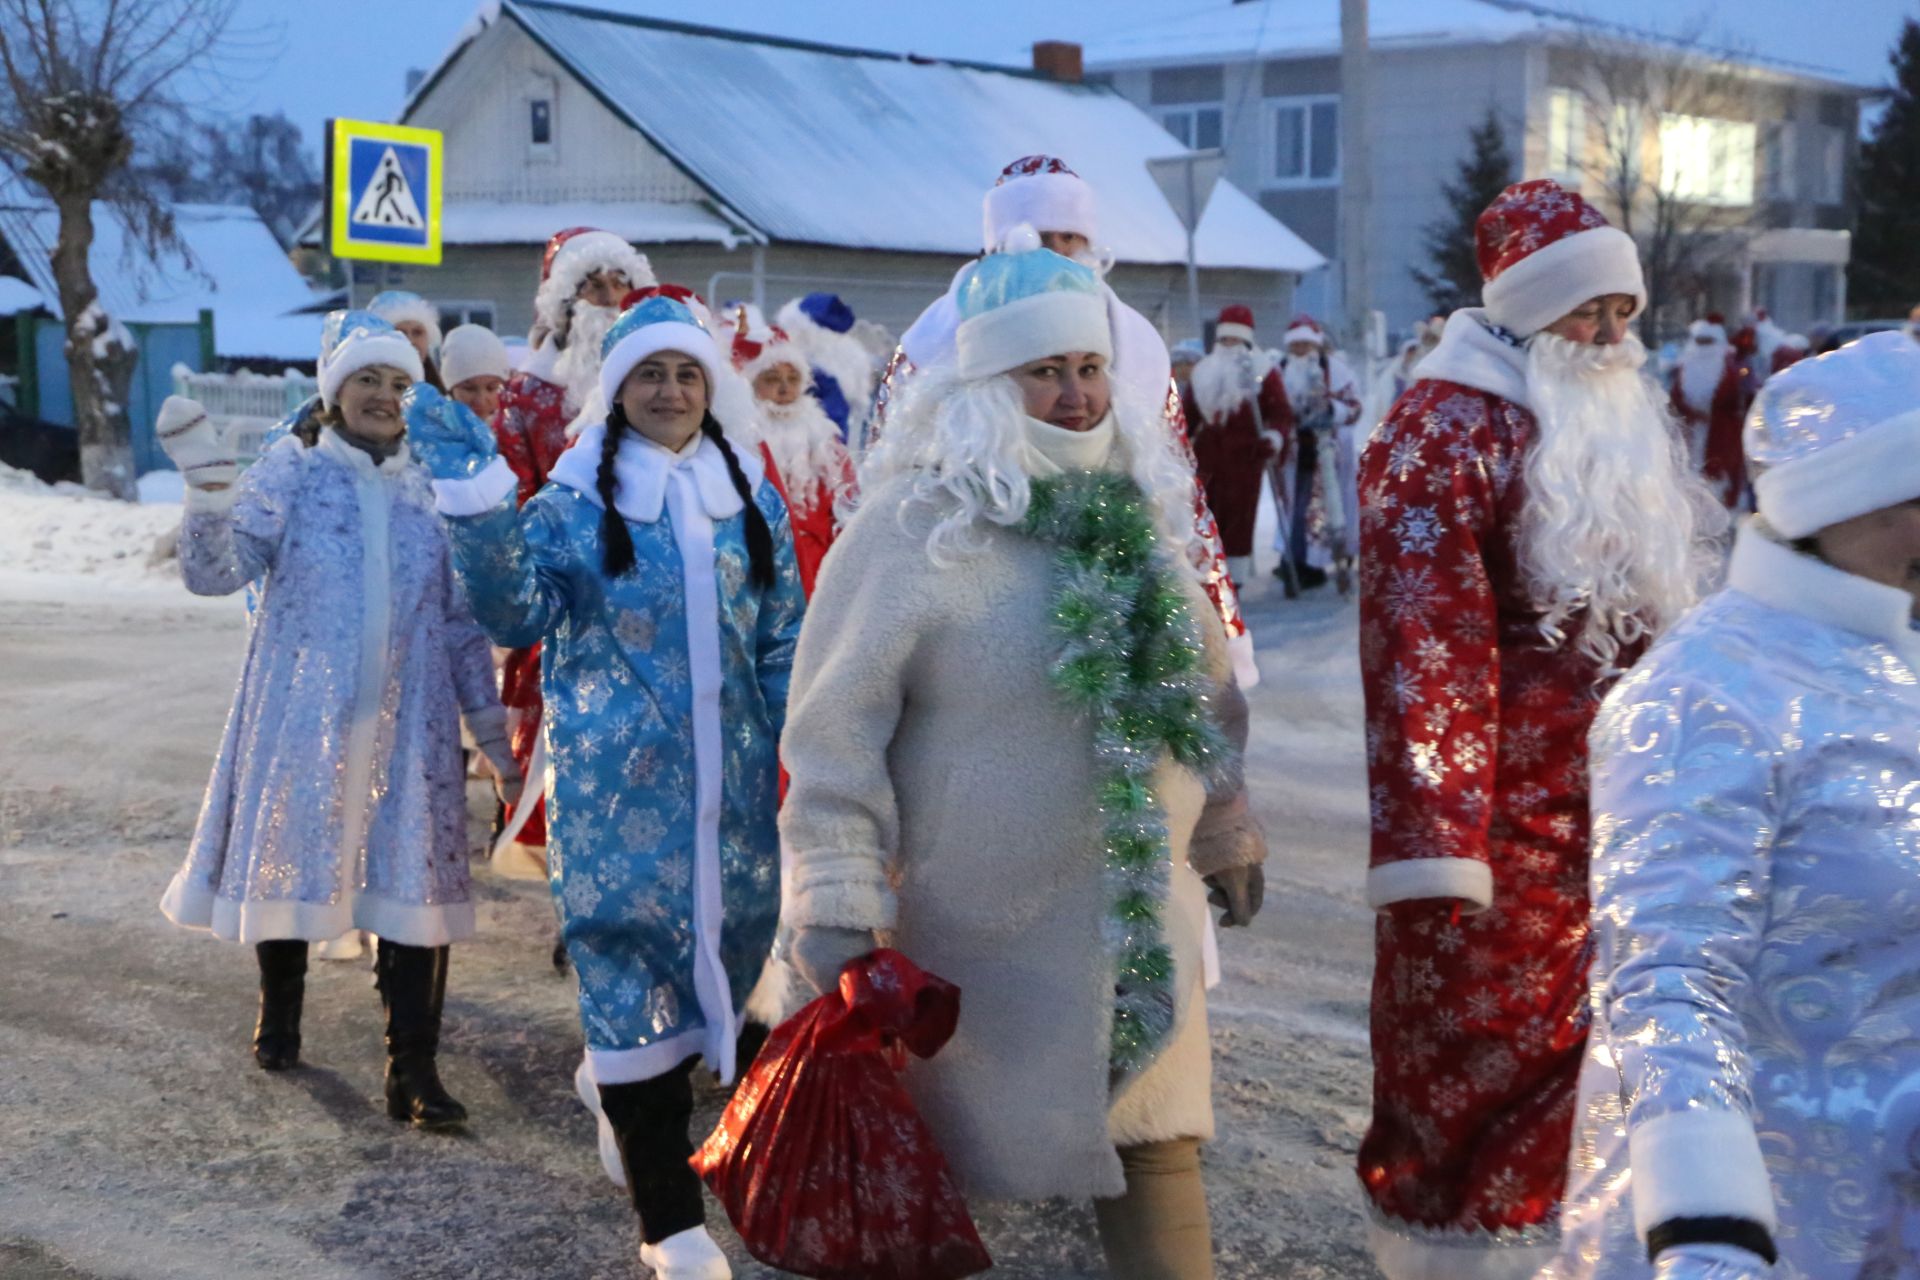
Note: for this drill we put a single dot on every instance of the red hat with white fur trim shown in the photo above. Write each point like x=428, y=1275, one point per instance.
x=573, y=255
x=1040, y=192
x=759, y=346
x=1304, y=329
x=1235, y=321
x=1544, y=251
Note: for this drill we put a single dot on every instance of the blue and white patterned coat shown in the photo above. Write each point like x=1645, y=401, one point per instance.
x=1756, y=899
x=338, y=799
x=665, y=692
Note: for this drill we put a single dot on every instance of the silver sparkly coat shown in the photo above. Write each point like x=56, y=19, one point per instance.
x=1756, y=897
x=337, y=798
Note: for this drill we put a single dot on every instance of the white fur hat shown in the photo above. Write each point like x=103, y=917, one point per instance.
x=354, y=340
x=1837, y=436
x=396, y=306
x=473, y=351
x=573, y=255
x=647, y=328
x=1040, y=192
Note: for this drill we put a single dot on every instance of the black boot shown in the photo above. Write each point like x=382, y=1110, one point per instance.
x=650, y=1119
x=560, y=961
x=283, y=989
x=413, y=985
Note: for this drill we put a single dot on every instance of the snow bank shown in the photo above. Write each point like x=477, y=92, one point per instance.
x=67, y=529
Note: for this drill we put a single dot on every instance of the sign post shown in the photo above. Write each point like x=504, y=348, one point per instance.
x=383, y=194
x=1187, y=181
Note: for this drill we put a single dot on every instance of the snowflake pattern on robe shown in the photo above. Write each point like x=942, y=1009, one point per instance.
x=1476, y=750
x=620, y=739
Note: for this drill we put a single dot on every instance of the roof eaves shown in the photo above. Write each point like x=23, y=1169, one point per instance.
x=511, y=8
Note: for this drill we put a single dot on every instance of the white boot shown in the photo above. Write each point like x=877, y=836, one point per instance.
x=589, y=1095
x=691, y=1255
x=350, y=945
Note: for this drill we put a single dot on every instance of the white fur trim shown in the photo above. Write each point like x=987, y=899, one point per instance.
x=1783, y=579
x=1304, y=333
x=840, y=891
x=1554, y=279
x=1032, y=328
x=1698, y=1163
x=1246, y=669
x=588, y=1091
x=1469, y=354
x=687, y=339
x=1457, y=1255
x=473, y=351
x=1879, y=467
x=1043, y=201
x=645, y=470
x=419, y=309
x=477, y=494
x=629, y=1066
x=1467, y=879
x=194, y=905
x=1240, y=331
x=580, y=257
x=357, y=353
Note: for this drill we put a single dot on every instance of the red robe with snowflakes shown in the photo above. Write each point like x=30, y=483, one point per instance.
x=1232, y=449
x=531, y=430
x=1718, y=424
x=1477, y=767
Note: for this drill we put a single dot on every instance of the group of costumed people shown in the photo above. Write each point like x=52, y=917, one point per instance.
x=1713, y=386
x=1643, y=861
x=1022, y=590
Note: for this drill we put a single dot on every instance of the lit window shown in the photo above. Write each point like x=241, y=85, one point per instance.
x=541, y=113
x=1306, y=142
x=1707, y=161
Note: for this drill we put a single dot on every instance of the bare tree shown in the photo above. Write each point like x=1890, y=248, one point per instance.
x=83, y=80
x=1666, y=139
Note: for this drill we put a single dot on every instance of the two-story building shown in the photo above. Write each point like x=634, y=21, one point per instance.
x=752, y=167
x=1764, y=169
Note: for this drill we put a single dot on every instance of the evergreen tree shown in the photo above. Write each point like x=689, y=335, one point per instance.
x=1453, y=280
x=1884, y=276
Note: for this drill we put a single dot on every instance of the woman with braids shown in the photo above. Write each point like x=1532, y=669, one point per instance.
x=656, y=569
x=1014, y=749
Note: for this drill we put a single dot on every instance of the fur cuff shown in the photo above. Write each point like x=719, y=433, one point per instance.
x=1698, y=1164
x=840, y=891
x=1468, y=880
x=478, y=494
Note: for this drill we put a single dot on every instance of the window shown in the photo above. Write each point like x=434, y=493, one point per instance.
x=1198, y=128
x=1833, y=166
x=1566, y=135
x=1707, y=161
x=455, y=314
x=540, y=113
x=1306, y=142
x=1777, y=159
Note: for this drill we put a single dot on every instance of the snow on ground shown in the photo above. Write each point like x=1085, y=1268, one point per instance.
x=66, y=530
x=138, y=1140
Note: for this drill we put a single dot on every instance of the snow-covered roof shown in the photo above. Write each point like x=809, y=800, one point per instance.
x=238, y=270
x=853, y=148
x=640, y=221
x=17, y=296
x=1226, y=30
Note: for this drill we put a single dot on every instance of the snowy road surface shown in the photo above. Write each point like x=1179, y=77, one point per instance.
x=138, y=1140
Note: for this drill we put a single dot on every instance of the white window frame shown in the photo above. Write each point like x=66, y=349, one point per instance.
x=1304, y=103
x=1566, y=136
x=1188, y=118
x=1779, y=151
x=1708, y=161
x=543, y=89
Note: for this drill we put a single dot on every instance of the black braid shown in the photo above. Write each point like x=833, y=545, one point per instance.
x=616, y=543
x=759, y=536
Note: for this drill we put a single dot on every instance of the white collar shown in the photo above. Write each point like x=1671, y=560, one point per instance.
x=643, y=469
x=331, y=443
x=1784, y=579
x=1470, y=354
x=1052, y=451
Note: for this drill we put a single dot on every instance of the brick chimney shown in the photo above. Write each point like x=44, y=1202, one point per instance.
x=1058, y=60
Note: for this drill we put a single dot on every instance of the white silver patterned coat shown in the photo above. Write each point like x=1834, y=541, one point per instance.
x=337, y=798
x=1756, y=897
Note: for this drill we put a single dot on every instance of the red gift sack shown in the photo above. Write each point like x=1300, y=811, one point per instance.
x=823, y=1164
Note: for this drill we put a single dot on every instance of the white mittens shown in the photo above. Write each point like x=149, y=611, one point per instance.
x=197, y=447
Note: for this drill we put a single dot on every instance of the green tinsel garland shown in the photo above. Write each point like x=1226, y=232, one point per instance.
x=1133, y=661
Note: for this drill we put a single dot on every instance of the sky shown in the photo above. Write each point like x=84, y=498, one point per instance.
x=350, y=57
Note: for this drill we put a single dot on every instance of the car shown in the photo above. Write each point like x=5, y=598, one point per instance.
x=1853, y=330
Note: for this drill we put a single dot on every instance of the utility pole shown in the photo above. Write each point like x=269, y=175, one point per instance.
x=1356, y=173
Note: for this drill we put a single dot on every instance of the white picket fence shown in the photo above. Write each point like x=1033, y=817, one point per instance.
x=245, y=405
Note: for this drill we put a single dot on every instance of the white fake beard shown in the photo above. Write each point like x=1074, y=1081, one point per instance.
x=1223, y=380
x=1616, y=522
x=806, y=450
x=1701, y=369
x=578, y=367
x=1305, y=380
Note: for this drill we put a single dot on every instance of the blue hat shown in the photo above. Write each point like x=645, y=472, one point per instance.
x=1837, y=436
x=395, y=305
x=827, y=311
x=354, y=340
x=648, y=327
x=1018, y=307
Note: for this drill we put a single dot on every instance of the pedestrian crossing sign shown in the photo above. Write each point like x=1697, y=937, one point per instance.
x=383, y=192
